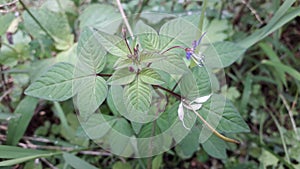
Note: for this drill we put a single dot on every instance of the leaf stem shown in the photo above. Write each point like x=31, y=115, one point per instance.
x=202, y=16
x=124, y=18
x=34, y=18
x=213, y=129
x=104, y=75
x=173, y=47
x=169, y=91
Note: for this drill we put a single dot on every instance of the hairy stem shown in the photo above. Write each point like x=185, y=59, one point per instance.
x=124, y=18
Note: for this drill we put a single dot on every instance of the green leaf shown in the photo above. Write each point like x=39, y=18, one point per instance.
x=69, y=56
x=137, y=96
x=217, y=30
x=121, y=77
x=222, y=54
x=11, y=152
x=63, y=120
x=39, y=67
x=121, y=165
x=136, y=127
x=91, y=92
x=55, y=84
x=91, y=55
x=111, y=103
x=173, y=64
x=77, y=163
x=147, y=36
x=149, y=57
x=287, y=69
x=282, y=16
x=98, y=125
x=278, y=73
x=189, y=145
x=19, y=51
x=188, y=88
x=268, y=159
x=120, y=138
x=23, y=159
x=203, y=80
x=178, y=31
x=18, y=126
x=220, y=112
x=56, y=24
x=150, y=76
x=5, y=21
x=247, y=90
x=113, y=44
x=215, y=147
x=65, y=6
x=157, y=162
x=101, y=16
x=123, y=63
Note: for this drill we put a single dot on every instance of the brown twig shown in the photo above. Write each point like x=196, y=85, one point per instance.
x=6, y=93
x=290, y=112
x=169, y=91
x=253, y=11
x=33, y=146
x=9, y=4
x=104, y=75
x=48, y=163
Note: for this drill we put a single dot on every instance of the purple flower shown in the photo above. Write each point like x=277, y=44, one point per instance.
x=190, y=51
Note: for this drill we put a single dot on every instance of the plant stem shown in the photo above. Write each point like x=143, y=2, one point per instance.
x=104, y=75
x=8, y=4
x=281, y=134
x=173, y=47
x=169, y=91
x=213, y=129
x=202, y=16
x=124, y=18
x=34, y=18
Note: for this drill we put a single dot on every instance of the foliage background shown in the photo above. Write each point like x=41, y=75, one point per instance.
x=263, y=84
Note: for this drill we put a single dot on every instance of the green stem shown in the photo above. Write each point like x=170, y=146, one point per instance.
x=7, y=45
x=281, y=135
x=202, y=16
x=34, y=18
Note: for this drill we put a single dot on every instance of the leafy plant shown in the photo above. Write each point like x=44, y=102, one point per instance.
x=138, y=73
x=140, y=95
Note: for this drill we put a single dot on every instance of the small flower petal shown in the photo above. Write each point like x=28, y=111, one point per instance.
x=201, y=99
x=181, y=115
x=195, y=106
x=180, y=111
x=188, y=53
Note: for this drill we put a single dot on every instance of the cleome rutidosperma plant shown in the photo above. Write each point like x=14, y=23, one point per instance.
x=139, y=96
